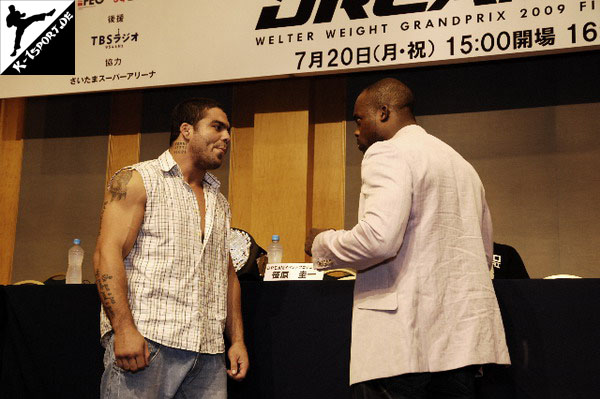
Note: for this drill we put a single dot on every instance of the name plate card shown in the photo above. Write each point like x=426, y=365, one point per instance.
x=292, y=271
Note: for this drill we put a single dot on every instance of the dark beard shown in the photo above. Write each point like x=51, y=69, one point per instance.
x=207, y=165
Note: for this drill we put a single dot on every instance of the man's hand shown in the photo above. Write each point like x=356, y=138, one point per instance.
x=310, y=237
x=238, y=361
x=131, y=350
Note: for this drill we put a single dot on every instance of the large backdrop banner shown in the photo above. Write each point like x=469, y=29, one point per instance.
x=121, y=44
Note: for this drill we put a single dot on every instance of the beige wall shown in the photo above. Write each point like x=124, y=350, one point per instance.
x=62, y=185
x=287, y=160
x=540, y=167
x=12, y=112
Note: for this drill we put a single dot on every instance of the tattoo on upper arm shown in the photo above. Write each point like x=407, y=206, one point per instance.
x=106, y=296
x=102, y=211
x=118, y=186
x=102, y=216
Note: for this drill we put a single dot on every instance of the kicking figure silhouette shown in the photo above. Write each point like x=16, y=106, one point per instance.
x=17, y=19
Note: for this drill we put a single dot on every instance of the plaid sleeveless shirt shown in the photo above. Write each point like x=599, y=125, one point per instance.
x=177, y=282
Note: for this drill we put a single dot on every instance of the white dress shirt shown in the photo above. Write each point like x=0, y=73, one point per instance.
x=423, y=298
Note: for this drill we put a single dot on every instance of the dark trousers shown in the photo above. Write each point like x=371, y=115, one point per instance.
x=455, y=384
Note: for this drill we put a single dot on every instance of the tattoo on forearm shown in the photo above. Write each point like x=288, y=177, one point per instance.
x=106, y=296
x=180, y=147
x=118, y=187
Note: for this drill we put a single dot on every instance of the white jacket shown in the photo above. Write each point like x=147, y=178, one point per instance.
x=423, y=297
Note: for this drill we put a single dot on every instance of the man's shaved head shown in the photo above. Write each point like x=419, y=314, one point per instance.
x=389, y=92
x=381, y=110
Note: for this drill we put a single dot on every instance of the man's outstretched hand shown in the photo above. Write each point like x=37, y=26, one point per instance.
x=310, y=237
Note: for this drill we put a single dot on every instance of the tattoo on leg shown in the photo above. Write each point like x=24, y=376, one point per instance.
x=180, y=147
x=118, y=186
x=106, y=296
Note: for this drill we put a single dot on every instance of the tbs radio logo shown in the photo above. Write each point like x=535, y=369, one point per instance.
x=37, y=37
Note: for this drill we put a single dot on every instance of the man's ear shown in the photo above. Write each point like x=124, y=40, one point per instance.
x=384, y=113
x=185, y=129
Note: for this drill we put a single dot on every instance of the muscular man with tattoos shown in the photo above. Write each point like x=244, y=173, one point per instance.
x=163, y=269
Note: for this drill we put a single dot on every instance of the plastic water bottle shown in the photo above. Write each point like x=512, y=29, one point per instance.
x=75, y=262
x=275, y=250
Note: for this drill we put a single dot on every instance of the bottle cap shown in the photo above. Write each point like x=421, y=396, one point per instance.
x=77, y=241
x=275, y=237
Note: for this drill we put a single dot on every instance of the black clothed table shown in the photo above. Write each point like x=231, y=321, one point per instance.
x=298, y=338
x=49, y=341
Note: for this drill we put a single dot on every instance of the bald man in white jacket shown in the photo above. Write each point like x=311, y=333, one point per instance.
x=425, y=313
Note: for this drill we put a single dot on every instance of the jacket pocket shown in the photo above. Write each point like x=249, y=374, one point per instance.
x=378, y=301
x=373, y=289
